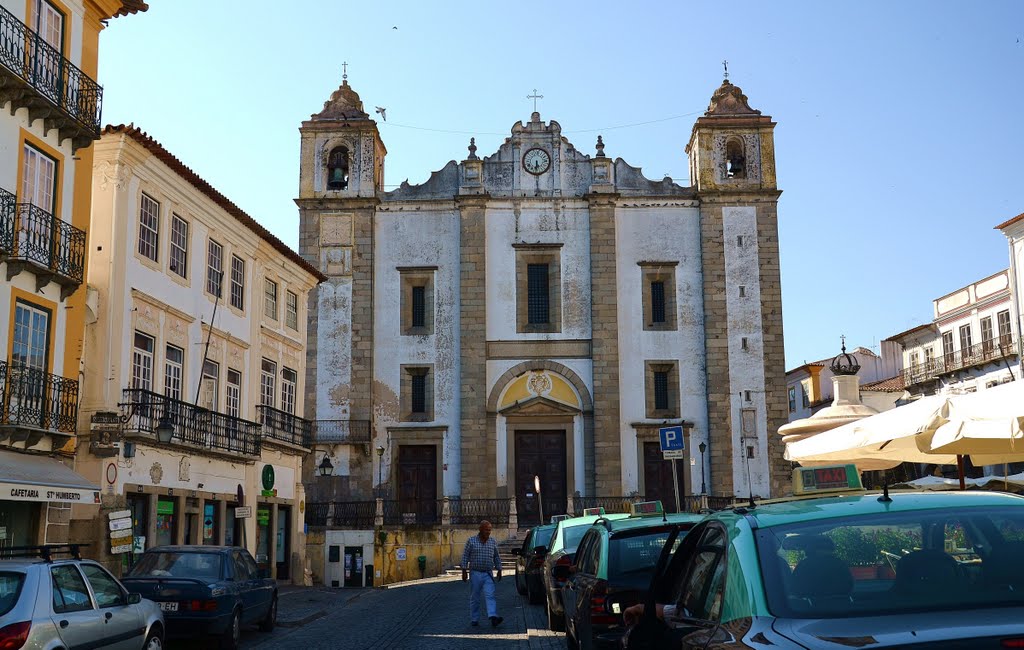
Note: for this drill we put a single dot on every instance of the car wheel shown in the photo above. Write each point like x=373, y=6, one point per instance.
x=153, y=641
x=519, y=584
x=268, y=622
x=555, y=623
x=231, y=637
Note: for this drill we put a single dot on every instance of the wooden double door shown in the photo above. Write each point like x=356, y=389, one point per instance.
x=540, y=453
x=417, y=482
x=658, y=477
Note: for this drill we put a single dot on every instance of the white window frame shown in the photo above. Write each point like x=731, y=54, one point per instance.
x=179, y=246
x=39, y=179
x=233, y=393
x=149, y=228
x=289, y=385
x=174, y=371
x=31, y=342
x=268, y=382
x=291, y=310
x=210, y=385
x=214, y=267
x=270, y=299
x=142, y=362
x=238, y=283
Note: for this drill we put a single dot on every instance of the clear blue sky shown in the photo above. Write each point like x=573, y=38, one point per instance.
x=900, y=124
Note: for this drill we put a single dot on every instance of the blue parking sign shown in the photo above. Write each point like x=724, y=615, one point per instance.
x=671, y=438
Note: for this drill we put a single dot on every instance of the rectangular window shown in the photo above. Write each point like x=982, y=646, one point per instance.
x=658, y=301
x=268, y=382
x=48, y=22
x=142, y=362
x=743, y=292
x=173, y=369
x=965, y=339
x=661, y=402
x=179, y=246
x=537, y=291
x=289, y=379
x=237, y=282
x=947, y=346
x=929, y=354
x=419, y=306
x=291, y=310
x=419, y=393
x=149, y=228
x=805, y=398
x=986, y=334
x=1003, y=320
x=792, y=399
x=214, y=268
x=210, y=385
x=31, y=337
x=270, y=299
x=915, y=359
x=233, y=393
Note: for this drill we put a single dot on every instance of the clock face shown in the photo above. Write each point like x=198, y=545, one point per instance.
x=536, y=161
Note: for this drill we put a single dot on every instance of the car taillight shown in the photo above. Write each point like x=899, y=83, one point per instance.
x=203, y=605
x=15, y=635
x=565, y=560
x=598, y=612
x=1013, y=643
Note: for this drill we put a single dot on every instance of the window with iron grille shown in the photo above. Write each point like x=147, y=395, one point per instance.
x=174, y=361
x=149, y=228
x=537, y=292
x=179, y=246
x=142, y=362
x=419, y=306
x=418, y=399
x=268, y=382
x=214, y=267
x=237, y=282
x=289, y=379
x=233, y=394
x=658, y=301
x=661, y=390
x=270, y=299
x=291, y=310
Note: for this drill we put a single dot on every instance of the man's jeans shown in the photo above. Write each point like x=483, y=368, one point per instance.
x=481, y=581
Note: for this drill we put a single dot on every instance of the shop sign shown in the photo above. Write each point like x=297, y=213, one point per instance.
x=267, y=480
x=120, y=524
x=24, y=492
x=243, y=512
x=164, y=507
x=263, y=516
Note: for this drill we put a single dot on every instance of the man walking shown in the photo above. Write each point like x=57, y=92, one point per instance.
x=479, y=558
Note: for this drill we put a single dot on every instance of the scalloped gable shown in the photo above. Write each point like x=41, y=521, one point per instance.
x=630, y=180
x=442, y=184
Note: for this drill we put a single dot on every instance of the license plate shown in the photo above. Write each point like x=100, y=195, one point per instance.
x=169, y=607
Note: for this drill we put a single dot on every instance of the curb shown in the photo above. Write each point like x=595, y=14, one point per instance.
x=419, y=581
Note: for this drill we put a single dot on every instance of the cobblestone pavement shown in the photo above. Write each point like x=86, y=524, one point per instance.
x=430, y=615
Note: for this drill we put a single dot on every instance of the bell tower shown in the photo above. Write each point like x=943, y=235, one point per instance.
x=732, y=164
x=341, y=174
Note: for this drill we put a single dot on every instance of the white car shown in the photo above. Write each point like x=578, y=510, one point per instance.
x=46, y=604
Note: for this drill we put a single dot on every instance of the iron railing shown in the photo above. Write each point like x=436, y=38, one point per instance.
x=988, y=351
x=36, y=399
x=610, y=504
x=316, y=513
x=411, y=512
x=42, y=67
x=473, y=511
x=354, y=514
x=285, y=427
x=29, y=233
x=341, y=431
x=193, y=425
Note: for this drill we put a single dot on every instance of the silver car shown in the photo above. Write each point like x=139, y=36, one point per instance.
x=72, y=603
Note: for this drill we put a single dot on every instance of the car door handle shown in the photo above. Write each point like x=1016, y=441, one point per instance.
x=64, y=624
x=107, y=615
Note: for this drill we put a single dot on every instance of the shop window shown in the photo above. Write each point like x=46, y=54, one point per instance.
x=166, y=522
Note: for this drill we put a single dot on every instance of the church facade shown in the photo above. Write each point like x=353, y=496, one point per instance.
x=542, y=312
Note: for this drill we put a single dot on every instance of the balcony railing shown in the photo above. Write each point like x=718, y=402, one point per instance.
x=40, y=78
x=31, y=237
x=193, y=426
x=473, y=511
x=341, y=431
x=34, y=399
x=284, y=427
x=354, y=514
x=979, y=354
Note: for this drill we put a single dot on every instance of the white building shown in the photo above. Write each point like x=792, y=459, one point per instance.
x=1014, y=231
x=809, y=387
x=196, y=319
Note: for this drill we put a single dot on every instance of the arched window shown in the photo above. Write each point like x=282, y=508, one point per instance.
x=735, y=161
x=337, y=169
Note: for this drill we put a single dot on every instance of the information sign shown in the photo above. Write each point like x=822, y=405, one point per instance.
x=243, y=512
x=671, y=438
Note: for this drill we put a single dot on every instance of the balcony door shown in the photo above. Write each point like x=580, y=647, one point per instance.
x=38, y=200
x=29, y=365
x=47, y=56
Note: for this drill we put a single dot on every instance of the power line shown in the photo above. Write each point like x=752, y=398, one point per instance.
x=607, y=128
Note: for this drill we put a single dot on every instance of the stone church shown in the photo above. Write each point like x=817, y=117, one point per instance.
x=541, y=311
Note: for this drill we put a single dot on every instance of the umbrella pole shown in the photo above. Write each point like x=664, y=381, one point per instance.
x=960, y=470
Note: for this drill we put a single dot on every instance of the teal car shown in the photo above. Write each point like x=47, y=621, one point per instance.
x=615, y=557
x=899, y=570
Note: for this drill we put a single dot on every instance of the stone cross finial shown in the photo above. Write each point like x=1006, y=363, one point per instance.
x=344, y=71
x=472, y=149
x=535, y=97
x=725, y=64
x=842, y=339
x=600, y=147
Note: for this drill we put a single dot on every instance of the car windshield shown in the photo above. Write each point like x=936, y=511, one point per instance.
x=572, y=535
x=891, y=563
x=163, y=564
x=542, y=536
x=10, y=589
x=633, y=554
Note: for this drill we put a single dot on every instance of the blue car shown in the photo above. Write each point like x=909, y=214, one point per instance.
x=206, y=590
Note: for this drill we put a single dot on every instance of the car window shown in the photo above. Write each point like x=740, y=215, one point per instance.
x=704, y=577
x=572, y=535
x=526, y=542
x=241, y=568
x=69, y=591
x=107, y=591
x=544, y=537
x=254, y=570
x=586, y=555
x=10, y=588
x=205, y=566
x=637, y=551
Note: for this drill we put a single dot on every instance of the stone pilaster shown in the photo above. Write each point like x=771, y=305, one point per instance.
x=607, y=454
x=361, y=389
x=477, y=441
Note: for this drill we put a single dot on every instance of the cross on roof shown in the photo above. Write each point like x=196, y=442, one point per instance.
x=725, y=64
x=535, y=97
x=344, y=70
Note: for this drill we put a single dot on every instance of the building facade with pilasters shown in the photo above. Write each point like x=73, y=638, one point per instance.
x=543, y=312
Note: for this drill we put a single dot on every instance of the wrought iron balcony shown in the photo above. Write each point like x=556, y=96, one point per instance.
x=34, y=402
x=194, y=426
x=342, y=431
x=32, y=239
x=284, y=427
x=990, y=351
x=36, y=76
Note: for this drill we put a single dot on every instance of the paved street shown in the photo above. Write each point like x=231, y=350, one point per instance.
x=423, y=614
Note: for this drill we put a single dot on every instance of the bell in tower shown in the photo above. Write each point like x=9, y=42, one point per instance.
x=337, y=169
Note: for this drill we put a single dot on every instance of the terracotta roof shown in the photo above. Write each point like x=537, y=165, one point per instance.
x=180, y=169
x=806, y=366
x=131, y=7
x=912, y=330
x=1010, y=222
x=890, y=385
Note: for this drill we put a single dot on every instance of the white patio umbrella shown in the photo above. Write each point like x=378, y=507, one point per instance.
x=987, y=425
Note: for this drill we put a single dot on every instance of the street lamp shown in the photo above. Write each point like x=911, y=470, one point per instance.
x=703, y=448
x=165, y=429
x=380, y=469
x=326, y=467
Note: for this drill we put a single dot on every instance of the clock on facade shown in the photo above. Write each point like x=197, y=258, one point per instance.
x=536, y=161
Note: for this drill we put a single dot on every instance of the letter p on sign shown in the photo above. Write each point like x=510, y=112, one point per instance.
x=671, y=438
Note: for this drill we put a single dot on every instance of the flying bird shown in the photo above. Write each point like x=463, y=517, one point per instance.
x=381, y=109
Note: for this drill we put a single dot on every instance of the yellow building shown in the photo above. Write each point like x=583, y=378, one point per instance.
x=49, y=119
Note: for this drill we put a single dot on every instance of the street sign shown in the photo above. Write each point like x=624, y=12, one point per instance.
x=243, y=512
x=120, y=524
x=121, y=549
x=675, y=454
x=672, y=438
x=120, y=514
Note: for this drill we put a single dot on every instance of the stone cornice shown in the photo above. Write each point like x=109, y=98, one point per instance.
x=338, y=203
x=159, y=304
x=739, y=197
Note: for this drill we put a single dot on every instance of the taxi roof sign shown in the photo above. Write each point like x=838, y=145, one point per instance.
x=830, y=478
x=646, y=508
x=557, y=518
x=593, y=511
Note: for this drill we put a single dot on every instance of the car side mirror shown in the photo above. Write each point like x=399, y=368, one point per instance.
x=561, y=572
x=134, y=599
x=540, y=550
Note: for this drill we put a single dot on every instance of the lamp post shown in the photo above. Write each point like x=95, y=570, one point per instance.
x=380, y=470
x=703, y=487
x=165, y=429
x=326, y=467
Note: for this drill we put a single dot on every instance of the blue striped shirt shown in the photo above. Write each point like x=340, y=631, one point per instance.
x=481, y=556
